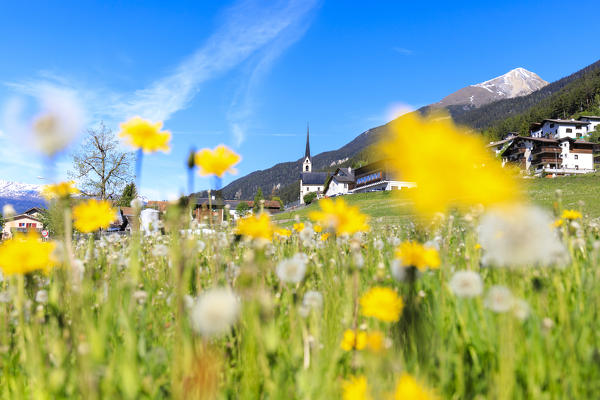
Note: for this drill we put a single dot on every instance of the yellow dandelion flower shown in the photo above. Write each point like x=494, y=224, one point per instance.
x=477, y=246
x=352, y=340
x=217, y=161
x=256, y=226
x=382, y=303
x=324, y=236
x=356, y=388
x=26, y=253
x=414, y=254
x=571, y=214
x=318, y=228
x=375, y=341
x=408, y=388
x=450, y=166
x=340, y=217
x=92, y=215
x=299, y=226
x=59, y=190
x=145, y=135
x=558, y=223
x=283, y=232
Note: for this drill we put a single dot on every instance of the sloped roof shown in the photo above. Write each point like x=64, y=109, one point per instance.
x=314, y=178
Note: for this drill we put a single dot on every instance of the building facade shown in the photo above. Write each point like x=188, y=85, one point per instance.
x=543, y=156
x=21, y=223
x=377, y=176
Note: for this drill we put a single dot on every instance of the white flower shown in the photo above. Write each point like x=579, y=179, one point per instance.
x=313, y=299
x=520, y=236
x=140, y=296
x=547, y=323
x=306, y=234
x=160, y=250
x=521, y=309
x=358, y=259
x=466, y=284
x=137, y=204
x=378, y=244
x=398, y=270
x=59, y=122
x=201, y=246
x=4, y=297
x=499, y=299
x=8, y=211
x=215, y=312
x=293, y=269
x=41, y=296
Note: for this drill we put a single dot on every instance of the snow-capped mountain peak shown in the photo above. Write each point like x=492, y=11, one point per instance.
x=516, y=82
x=21, y=196
x=17, y=189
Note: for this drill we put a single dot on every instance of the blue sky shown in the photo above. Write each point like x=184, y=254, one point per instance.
x=251, y=74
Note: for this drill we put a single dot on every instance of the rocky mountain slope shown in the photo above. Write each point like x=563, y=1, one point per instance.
x=515, y=83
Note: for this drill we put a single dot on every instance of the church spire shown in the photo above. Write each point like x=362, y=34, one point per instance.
x=307, y=153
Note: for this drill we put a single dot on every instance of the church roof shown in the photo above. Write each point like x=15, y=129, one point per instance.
x=314, y=178
x=307, y=152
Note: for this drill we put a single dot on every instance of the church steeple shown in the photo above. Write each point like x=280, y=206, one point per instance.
x=307, y=163
x=307, y=152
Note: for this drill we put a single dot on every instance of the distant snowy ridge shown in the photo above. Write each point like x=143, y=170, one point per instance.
x=21, y=196
x=515, y=83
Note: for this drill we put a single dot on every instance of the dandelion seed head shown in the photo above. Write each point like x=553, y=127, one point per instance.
x=466, y=284
x=499, y=299
x=215, y=312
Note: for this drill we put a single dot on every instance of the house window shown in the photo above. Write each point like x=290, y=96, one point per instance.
x=551, y=125
x=576, y=157
x=306, y=169
x=569, y=130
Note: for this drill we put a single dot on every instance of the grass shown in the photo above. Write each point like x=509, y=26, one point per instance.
x=578, y=192
x=117, y=320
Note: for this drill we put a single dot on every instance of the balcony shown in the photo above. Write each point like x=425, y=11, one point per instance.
x=546, y=150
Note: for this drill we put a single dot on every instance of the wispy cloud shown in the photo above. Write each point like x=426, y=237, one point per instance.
x=250, y=32
x=403, y=51
x=244, y=101
x=248, y=27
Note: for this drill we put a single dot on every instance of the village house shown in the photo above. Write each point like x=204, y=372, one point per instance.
x=26, y=221
x=340, y=182
x=377, y=176
x=562, y=128
x=310, y=181
x=541, y=155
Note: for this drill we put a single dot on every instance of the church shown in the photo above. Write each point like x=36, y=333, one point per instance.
x=310, y=181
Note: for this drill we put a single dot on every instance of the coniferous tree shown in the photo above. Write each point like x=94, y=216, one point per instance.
x=129, y=194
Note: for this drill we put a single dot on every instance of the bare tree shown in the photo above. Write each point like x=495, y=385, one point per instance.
x=99, y=165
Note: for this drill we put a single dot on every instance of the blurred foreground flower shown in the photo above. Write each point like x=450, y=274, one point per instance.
x=382, y=303
x=356, y=388
x=451, y=166
x=340, y=217
x=256, y=227
x=92, y=215
x=466, y=284
x=292, y=270
x=571, y=214
x=217, y=161
x=61, y=190
x=408, y=388
x=413, y=254
x=26, y=253
x=145, y=135
x=59, y=122
x=499, y=299
x=520, y=236
x=215, y=312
